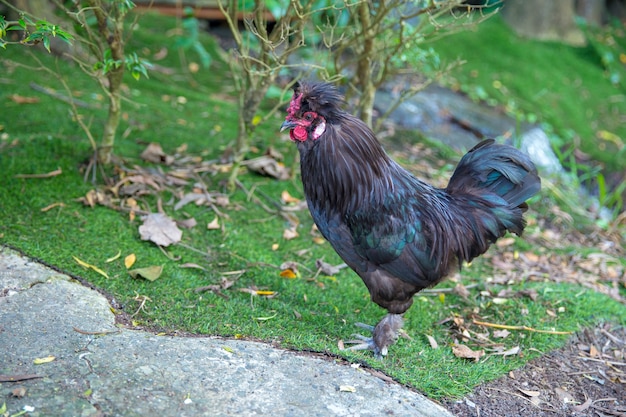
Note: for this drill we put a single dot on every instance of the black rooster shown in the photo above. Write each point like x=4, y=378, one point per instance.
x=399, y=234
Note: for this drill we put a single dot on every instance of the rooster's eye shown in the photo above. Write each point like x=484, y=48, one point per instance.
x=308, y=116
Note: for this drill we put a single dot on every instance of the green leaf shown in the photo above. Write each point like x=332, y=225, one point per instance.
x=151, y=273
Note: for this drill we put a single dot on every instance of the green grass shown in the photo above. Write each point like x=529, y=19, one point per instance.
x=561, y=85
x=308, y=313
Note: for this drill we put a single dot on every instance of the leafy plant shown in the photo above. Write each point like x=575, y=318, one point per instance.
x=35, y=32
x=100, y=27
x=385, y=39
x=260, y=55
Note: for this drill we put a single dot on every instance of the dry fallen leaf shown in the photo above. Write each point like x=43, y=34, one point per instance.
x=214, y=225
x=265, y=292
x=501, y=334
x=564, y=396
x=266, y=165
x=130, y=260
x=154, y=153
x=192, y=265
x=582, y=407
x=328, y=269
x=432, y=341
x=462, y=351
x=151, y=273
x=47, y=359
x=89, y=266
x=347, y=388
x=115, y=257
x=288, y=273
x=510, y=352
x=529, y=393
x=160, y=229
x=506, y=241
x=290, y=233
x=189, y=223
x=18, y=392
x=288, y=198
x=16, y=98
x=460, y=290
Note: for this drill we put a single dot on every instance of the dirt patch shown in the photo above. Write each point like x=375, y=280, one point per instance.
x=585, y=378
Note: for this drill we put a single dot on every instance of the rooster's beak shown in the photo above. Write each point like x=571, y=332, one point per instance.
x=288, y=124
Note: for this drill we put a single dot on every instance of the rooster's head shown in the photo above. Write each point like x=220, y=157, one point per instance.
x=312, y=106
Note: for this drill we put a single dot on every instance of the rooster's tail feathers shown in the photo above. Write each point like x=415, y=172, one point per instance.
x=498, y=179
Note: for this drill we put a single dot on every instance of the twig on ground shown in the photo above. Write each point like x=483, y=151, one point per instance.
x=525, y=328
x=50, y=174
x=61, y=97
x=96, y=333
x=436, y=291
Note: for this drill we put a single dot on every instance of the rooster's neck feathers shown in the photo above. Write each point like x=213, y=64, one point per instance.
x=346, y=166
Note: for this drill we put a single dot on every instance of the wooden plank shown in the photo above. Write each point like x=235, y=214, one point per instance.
x=207, y=11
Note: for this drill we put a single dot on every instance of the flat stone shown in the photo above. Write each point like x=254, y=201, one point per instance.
x=124, y=372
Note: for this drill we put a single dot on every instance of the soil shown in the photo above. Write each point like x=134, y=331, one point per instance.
x=585, y=378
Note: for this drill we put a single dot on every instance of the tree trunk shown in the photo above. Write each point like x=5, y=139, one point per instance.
x=111, y=30
x=544, y=20
x=364, y=66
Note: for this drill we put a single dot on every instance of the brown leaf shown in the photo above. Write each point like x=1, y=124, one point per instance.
x=290, y=233
x=160, y=229
x=94, y=197
x=18, y=392
x=50, y=174
x=462, y=351
x=192, y=265
x=16, y=98
x=501, y=334
x=529, y=393
x=289, y=265
x=198, y=198
x=160, y=54
x=328, y=269
x=432, y=341
x=460, y=290
x=582, y=407
x=506, y=241
x=214, y=225
x=266, y=165
x=288, y=198
x=564, y=396
x=154, y=153
x=187, y=223
x=509, y=352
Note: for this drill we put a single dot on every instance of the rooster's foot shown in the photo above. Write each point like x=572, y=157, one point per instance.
x=384, y=334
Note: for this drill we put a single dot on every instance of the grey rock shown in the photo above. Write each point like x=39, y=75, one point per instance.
x=124, y=372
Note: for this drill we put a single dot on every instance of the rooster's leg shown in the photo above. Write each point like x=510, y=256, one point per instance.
x=384, y=334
